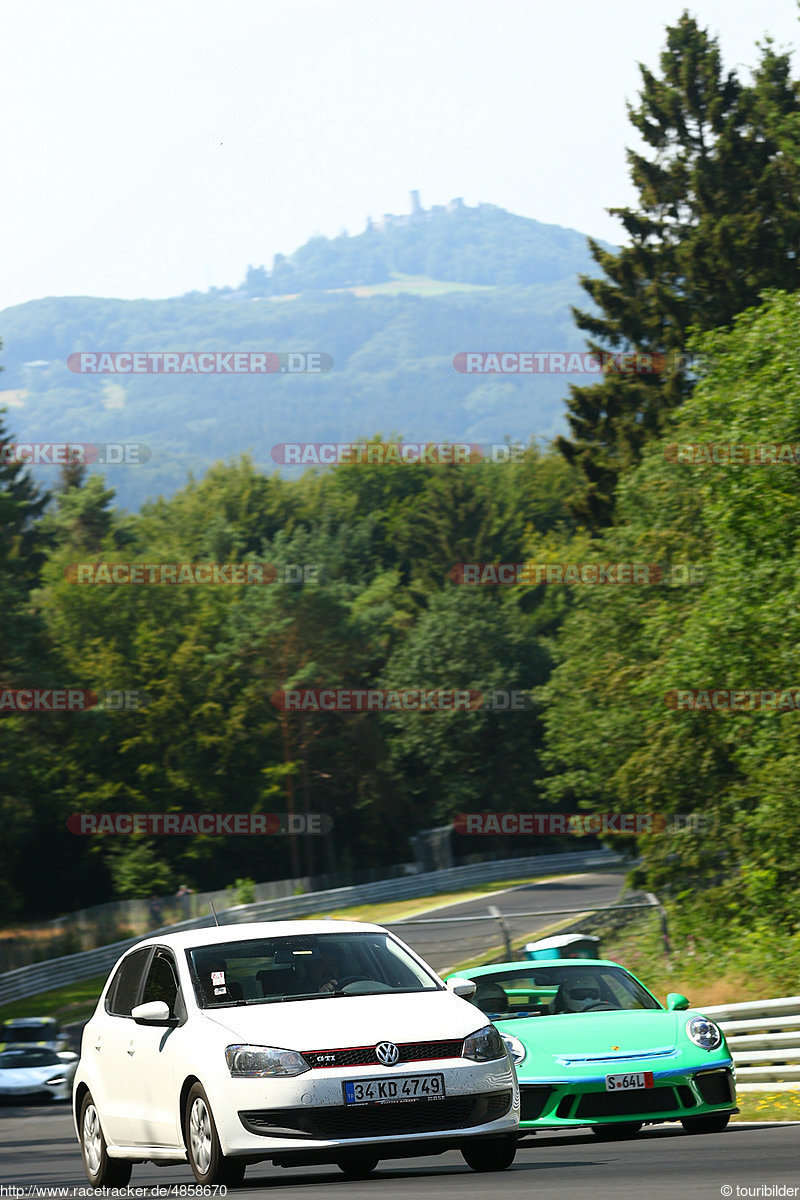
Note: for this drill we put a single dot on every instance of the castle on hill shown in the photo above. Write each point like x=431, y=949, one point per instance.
x=418, y=213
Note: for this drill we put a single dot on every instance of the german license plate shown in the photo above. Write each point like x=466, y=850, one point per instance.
x=628, y=1083
x=393, y=1091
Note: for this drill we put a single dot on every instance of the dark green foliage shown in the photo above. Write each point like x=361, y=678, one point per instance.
x=207, y=662
x=613, y=739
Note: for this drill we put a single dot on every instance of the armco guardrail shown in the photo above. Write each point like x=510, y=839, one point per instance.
x=764, y=1037
x=55, y=972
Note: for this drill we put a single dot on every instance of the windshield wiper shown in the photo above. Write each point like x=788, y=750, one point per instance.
x=315, y=996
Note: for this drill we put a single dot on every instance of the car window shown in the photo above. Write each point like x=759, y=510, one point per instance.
x=626, y=991
x=35, y=1056
x=260, y=971
x=546, y=991
x=123, y=993
x=41, y=1031
x=162, y=981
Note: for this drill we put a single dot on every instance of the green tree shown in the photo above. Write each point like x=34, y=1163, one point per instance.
x=718, y=221
x=451, y=762
x=614, y=736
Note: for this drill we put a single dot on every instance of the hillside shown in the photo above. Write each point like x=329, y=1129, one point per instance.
x=391, y=307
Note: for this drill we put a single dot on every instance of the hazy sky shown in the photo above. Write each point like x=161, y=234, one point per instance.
x=153, y=147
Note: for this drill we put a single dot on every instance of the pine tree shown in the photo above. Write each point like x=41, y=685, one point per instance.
x=21, y=554
x=718, y=221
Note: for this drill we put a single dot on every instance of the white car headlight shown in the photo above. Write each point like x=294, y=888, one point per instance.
x=485, y=1045
x=515, y=1047
x=704, y=1033
x=256, y=1062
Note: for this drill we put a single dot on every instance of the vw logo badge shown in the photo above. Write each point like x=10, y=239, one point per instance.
x=387, y=1053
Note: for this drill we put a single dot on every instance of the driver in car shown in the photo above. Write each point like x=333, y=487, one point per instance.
x=323, y=973
x=579, y=995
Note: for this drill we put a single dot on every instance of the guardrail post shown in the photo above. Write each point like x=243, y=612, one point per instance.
x=498, y=916
x=662, y=915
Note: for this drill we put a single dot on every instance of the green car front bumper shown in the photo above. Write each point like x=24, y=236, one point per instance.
x=675, y=1096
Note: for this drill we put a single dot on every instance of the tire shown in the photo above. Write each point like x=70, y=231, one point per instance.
x=617, y=1133
x=490, y=1154
x=101, y=1171
x=714, y=1123
x=209, y=1165
x=358, y=1164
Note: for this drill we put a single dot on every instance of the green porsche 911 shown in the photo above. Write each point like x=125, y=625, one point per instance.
x=594, y=1048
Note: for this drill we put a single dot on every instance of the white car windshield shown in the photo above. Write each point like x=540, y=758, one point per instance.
x=270, y=970
x=36, y=1056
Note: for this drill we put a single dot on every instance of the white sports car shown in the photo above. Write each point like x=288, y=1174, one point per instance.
x=36, y=1072
x=298, y=1042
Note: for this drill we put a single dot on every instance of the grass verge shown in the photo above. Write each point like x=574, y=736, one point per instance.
x=769, y=1106
x=73, y=1002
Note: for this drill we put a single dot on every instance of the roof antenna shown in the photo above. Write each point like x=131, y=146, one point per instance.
x=213, y=912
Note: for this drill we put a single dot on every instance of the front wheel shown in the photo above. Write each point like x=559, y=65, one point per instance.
x=209, y=1165
x=490, y=1154
x=617, y=1133
x=356, y=1164
x=715, y=1123
x=101, y=1171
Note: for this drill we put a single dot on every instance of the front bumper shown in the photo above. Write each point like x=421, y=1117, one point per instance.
x=308, y=1115
x=673, y=1097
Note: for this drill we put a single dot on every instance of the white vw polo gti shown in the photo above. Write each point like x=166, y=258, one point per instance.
x=298, y=1042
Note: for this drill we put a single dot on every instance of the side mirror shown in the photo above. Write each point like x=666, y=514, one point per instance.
x=676, y=1002
x=68, y=1056
x=465, y=988
x=156, y=1012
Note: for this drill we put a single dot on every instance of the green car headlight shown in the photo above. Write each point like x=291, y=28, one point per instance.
x=704, y=1033
x=258, y=1062
x=485, y=1045
x=515, y=1048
